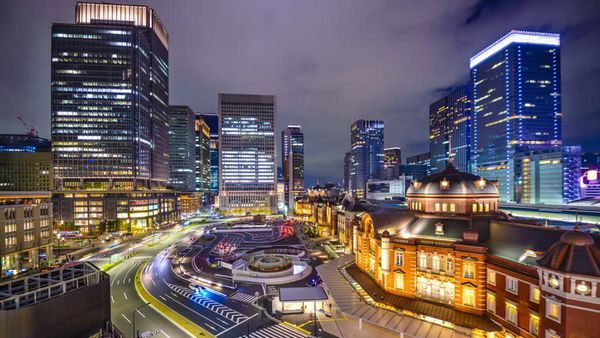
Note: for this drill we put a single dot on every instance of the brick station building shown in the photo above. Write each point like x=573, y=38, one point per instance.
x=454, y=258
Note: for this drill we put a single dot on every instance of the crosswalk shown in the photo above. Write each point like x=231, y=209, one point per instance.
x=275, y=331
x=243, y=297
x=210, y=304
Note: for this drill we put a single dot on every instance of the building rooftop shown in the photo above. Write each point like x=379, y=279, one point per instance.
x=452, y=182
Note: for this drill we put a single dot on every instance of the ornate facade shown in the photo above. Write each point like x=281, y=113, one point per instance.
x=452, y=247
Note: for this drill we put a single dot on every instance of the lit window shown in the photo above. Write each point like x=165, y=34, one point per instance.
x=399, y=258
x=534, y=294
x=437, y=207
x=399, y=280
x=452, y=207
x=474, y=207
x=491, y=277
x=444, y=207
x=491, y=302
x=553, y=310
x=449, y=264
x=469, y=269
x=439, y=229
x=512, y=284
x=468, y=296
x=534, y=324
x=511, y=313
x=551, y=334
x=435, y=263
x=423, y=261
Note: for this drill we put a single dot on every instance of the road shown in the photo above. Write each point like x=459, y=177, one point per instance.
x=124, y=297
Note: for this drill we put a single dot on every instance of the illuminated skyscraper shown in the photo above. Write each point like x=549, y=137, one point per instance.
x=247, y=153
x=203, y=155
x=516, y=103
x=347, y=171
x=182, y=148
x=292, y=158
x=367, y=153
x=212, y=120
x=110, y=94
x=450, y=126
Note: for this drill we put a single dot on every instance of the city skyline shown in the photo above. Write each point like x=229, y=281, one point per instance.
x=361, y=87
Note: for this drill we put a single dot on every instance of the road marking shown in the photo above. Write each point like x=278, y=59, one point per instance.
x=127, y=319
x=118, y=282
x=163, y=332
x=152, y=280
x=111, y=297
x=129, y=281
x=124, y=294
x=172, y=294
x=141, y=314
x=199, y=314
x=163, y=298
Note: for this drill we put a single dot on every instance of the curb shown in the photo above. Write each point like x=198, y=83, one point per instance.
x=178, y=320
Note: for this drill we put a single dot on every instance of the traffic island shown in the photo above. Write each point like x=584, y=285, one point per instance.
x=183, y=323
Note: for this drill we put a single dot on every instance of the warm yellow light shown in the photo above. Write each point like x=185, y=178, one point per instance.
x=592, y=175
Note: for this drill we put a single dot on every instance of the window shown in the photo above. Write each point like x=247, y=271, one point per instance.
x=423, y=261
x=468, y=296
x=491, y=302
x=511, y=313
x=511, y=284
x=435, y=263
x=437, y=207
x=444, y=207
x=551, y=334
x=439, y=229
x=552, y=310
x=452, y=207
x=474, y=207
x=449, y=265
x=534, y=294
x=399, y=280
x=399, y=257
x=491, y=277
x=469, y=269
x=534, y=324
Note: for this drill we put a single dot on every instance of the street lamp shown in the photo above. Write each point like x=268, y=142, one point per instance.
x=133, y=321
x=58, y=238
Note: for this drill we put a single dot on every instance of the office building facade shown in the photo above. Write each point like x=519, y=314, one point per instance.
x=25, y=230
x=109, y=104
x=247, y=154
x=450, y=130
x=203, y=177
x=25, y=163
x=347, y=171
x=212, y=120
x=516, y=88
x=292, y=158
x=367, y=153
x=392, y=160
x=548, y=177
x=182, y=148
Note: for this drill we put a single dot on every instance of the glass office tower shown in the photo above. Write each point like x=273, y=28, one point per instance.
x=392, y=160
x=247, y=154
x=182, y=148
x=203, y=155
x=109, y=108
x=367, y=153
x=212, y=120
x=516, y=103
x=292, y=159
x=450, y=126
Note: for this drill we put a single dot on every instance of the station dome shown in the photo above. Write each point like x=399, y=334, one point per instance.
x=452, y=182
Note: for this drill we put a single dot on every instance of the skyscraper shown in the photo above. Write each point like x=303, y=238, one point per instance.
x=367, y=153
x=110, y=94
x=212, y=120
x=450, y=126
x=247, y=153
x=516, y=103
x=292, y=159
x=392, y=159
x=203, y=178
x=25, y=163
x=182, y=148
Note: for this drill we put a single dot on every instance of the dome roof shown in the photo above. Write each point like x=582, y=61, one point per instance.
x=575, y=252
x=452, y=182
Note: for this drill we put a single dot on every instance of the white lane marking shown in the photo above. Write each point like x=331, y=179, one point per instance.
x=124, y=294
x=173, y=294
x=152, y=280
x=163, y=298
x=129, y=281
x=118, y=282
x=141, y=314
x=163, y=332
x=127, y=319
x=199, y=314
x=127, y=272
x=112, y=298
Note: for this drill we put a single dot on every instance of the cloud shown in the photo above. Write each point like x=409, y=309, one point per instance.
x=329, y=62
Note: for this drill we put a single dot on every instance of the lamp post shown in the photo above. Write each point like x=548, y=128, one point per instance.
x=58, y=238
x=133, y=316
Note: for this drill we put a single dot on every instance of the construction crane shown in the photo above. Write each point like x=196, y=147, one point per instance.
x=31, y=131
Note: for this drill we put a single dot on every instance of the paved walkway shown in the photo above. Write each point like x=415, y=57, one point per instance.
x=352, y=314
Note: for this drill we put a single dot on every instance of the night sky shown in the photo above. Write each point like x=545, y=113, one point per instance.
x=329, y=62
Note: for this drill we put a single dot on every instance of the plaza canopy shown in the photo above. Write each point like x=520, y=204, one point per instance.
x=302, y=294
